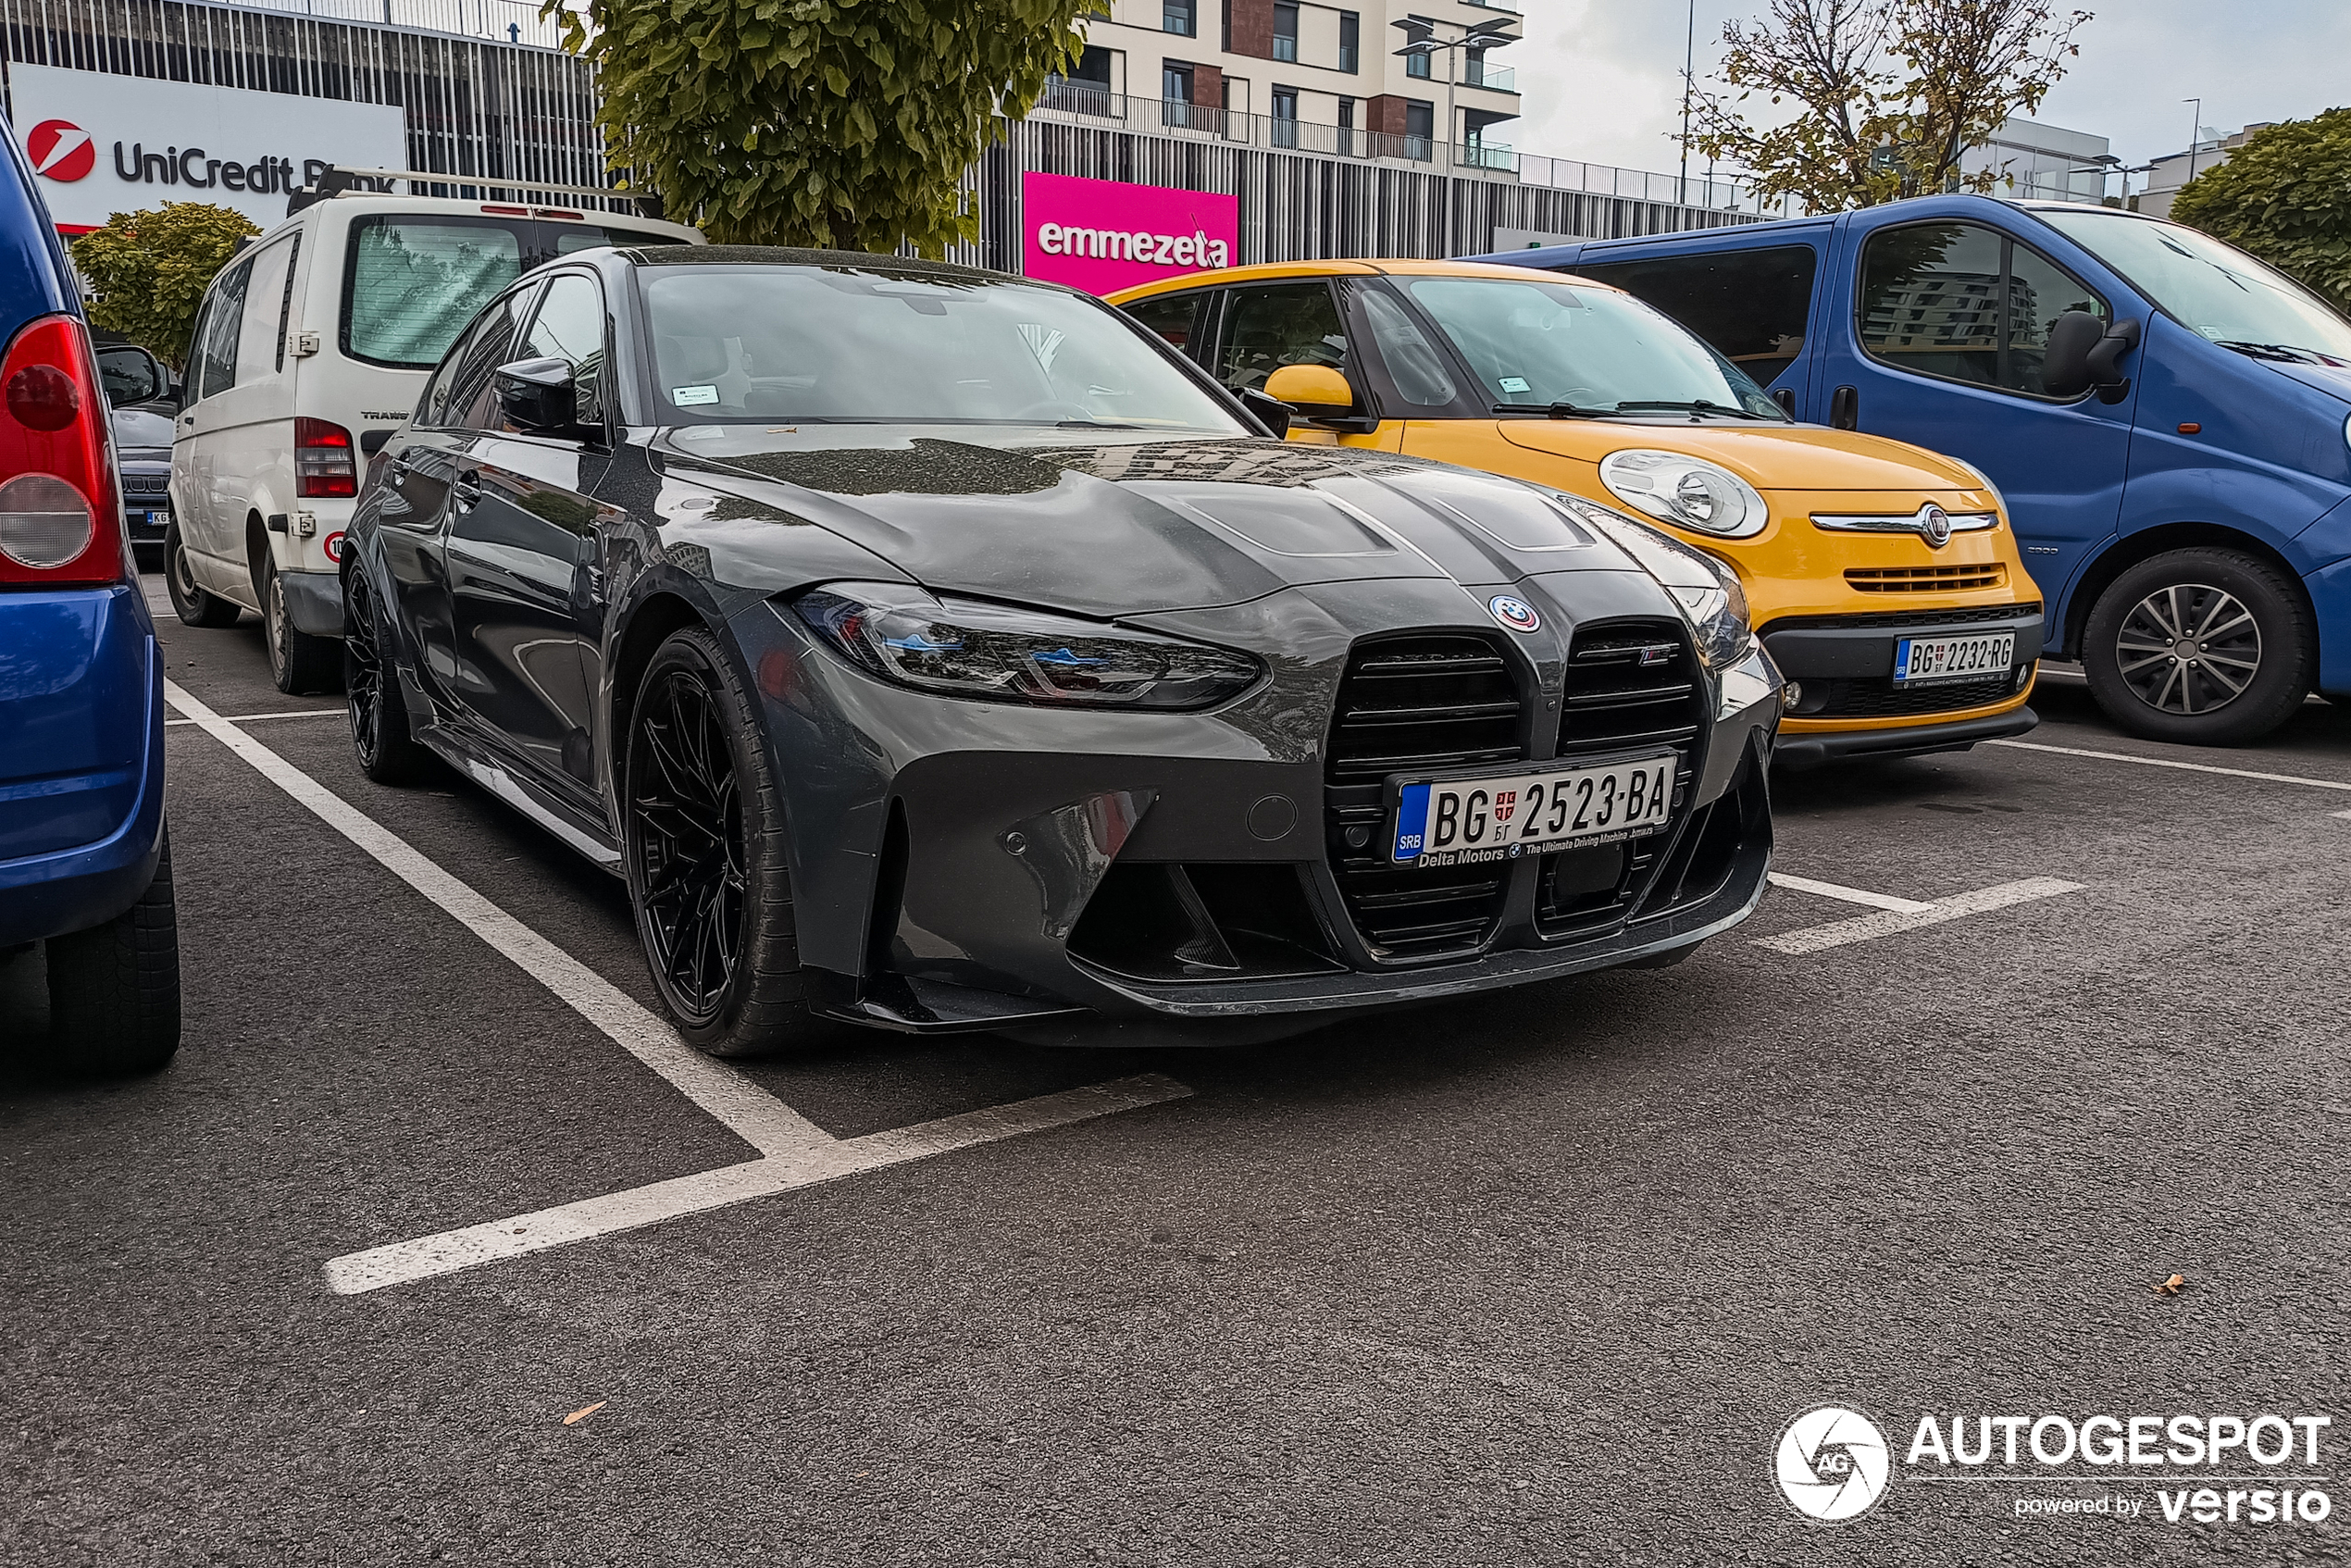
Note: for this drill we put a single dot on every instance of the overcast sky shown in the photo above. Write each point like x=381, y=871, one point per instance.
x=1601, y=78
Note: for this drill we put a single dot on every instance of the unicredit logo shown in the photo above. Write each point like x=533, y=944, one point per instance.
x=61, y=150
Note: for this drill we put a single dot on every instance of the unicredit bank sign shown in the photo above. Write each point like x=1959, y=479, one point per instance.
x=103, y=144
x=1102, y=235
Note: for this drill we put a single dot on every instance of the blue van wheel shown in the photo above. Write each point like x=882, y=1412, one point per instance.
x=2203, y=647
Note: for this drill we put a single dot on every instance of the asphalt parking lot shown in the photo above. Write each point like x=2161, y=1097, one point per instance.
x=1537, y=1279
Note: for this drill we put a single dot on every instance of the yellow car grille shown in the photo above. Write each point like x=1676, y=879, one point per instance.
x=1926, y=579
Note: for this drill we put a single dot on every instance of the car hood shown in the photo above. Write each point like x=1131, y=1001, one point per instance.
x=1130, y=524
x=2333, y=380
x=1808, y=457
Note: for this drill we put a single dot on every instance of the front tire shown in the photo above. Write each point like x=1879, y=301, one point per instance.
x=380, y=734
x=709, y=875
x=193, y=604
x=2203, y=647
x=114, y=990
x=299, y=663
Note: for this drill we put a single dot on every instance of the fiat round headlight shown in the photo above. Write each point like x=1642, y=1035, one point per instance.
x=999, y=652
x=1687, y=492
x=1705, y=589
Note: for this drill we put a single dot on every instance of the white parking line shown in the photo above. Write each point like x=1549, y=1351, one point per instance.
x=404, y=1261
x=795, y=1151
x=1813, y=939
x=2166, y=762
x=1850, y=895
x=248, y=718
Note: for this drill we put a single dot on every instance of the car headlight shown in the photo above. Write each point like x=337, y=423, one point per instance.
x=1705, y=589
x=997, y=652
x=1688, y=492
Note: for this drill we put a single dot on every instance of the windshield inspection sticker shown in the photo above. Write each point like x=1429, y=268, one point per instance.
x=1514, y=383
x=685, y=397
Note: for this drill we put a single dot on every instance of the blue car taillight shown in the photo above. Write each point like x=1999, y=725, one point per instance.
x=61, y=515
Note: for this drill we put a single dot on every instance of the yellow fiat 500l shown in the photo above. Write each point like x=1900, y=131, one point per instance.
x=1884, y=579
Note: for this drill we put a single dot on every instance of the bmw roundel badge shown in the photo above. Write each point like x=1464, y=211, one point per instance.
x=1515, y=614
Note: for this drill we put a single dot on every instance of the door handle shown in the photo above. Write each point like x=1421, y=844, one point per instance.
x=465, y=490
x=1844, y=409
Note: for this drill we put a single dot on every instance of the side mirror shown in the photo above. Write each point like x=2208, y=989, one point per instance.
x=129, y=374
x=2082, y=353
x=2106, y=361
x=538, y=396
x=1316, y=391
x=1273, y=415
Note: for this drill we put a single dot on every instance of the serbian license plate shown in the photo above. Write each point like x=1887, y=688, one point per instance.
x=1919, y=661
x=1462, y=821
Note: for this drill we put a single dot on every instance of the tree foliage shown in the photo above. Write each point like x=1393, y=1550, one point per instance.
x=149, y=270
x=2285, y=196
x=843, y=123
x=1888, y=94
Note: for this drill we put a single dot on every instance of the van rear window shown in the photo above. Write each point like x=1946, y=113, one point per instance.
x=412, y=284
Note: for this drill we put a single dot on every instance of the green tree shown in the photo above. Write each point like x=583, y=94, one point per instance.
x=1886, y=95
x=842, y=123
x=2285, y=196
x=148, y=270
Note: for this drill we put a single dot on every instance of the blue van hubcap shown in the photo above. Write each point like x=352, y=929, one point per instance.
x=2188, y=648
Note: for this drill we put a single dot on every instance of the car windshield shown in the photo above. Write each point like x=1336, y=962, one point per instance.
x=2206, y=286
x=139, y=427
x=1547, y=346
x=837, y=344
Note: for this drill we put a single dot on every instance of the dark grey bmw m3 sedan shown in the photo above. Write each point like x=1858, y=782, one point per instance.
x=936, y=650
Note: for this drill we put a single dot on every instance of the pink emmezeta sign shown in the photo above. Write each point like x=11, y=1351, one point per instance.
x=1102, y=235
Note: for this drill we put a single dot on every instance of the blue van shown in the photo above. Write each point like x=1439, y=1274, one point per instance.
x=85, y=868
x=2168, y=418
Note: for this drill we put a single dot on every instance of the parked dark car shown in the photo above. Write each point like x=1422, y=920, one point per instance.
x=85, y=866
x=142, y=452
x=936, y=650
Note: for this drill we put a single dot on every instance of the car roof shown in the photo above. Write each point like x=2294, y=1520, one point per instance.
x=1356, y=266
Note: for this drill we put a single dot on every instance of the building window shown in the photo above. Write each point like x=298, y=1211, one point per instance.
x=1176, y=81
x=1284, y=30
x=1346, y=147
x=1285, y=116
x=1420, y=129
x=1473, y=67
x=1350, y=42
x=1181, y=15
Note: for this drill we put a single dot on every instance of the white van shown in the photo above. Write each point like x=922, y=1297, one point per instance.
x=309, y=350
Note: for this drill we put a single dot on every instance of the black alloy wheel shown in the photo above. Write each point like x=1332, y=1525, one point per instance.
x=706, y=855
x=2207, y=647
x=371, y=692
x=190, y=603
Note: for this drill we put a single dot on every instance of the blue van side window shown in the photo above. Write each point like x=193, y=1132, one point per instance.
x=1964, y=303
x=1754, y=307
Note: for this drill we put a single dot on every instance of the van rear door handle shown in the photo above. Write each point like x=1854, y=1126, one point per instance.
x=1844, y=409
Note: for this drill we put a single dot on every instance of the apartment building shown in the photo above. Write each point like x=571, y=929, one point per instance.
x=1327, y=77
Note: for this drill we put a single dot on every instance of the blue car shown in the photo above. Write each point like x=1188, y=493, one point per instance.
x=2165, y=415
x=85, y=866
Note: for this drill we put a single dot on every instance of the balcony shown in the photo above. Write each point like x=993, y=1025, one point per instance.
x=1494, y=78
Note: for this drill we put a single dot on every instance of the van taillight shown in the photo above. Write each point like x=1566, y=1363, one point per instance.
x=60, y=518
x=322, y=459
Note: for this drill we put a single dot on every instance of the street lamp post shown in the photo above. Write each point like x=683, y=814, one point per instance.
x=1420, y=38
